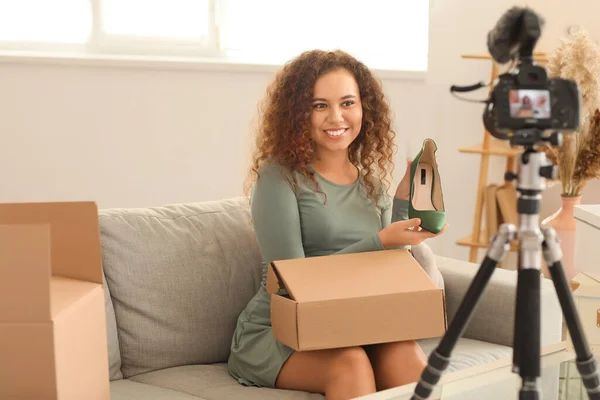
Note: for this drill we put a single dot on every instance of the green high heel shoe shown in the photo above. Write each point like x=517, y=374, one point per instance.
x=426, y=199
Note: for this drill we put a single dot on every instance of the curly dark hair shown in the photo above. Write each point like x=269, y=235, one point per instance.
x=283, y=134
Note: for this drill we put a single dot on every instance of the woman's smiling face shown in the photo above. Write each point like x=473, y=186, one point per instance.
x=336, y=117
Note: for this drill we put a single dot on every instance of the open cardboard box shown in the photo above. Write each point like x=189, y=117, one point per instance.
x=52, y=319
x=353, y=300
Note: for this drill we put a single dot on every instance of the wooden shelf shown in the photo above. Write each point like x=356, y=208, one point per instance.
x=493, y=149
x=482, y=242
x=537, y=56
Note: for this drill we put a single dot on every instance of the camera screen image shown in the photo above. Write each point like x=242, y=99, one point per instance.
x=529, y=103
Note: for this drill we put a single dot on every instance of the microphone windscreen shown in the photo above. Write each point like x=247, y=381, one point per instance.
x=503, y=37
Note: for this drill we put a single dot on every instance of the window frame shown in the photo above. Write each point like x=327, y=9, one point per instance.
x=123, y=45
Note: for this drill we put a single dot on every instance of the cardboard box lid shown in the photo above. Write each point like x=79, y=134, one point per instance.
x=75, y=249
x=343, y=276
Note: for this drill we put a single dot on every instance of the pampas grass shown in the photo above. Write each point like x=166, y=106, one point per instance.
x=588, y=158
x=577, y=159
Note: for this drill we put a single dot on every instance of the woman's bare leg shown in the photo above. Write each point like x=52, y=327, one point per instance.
x=339, y=374
x=396, y=364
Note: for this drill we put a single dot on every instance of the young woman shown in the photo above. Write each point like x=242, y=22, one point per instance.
x=321, y=167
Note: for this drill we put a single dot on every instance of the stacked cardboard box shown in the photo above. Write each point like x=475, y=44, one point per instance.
x=52, y=319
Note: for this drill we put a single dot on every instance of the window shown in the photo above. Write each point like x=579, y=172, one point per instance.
x=50, y=21
x=181, y=19
x=168, y=27
x=385, y=34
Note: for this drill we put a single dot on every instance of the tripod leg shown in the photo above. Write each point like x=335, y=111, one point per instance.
x=527, y=325
x=440, y=357
x=526, y=346
x=526, y=359
x=586, y=361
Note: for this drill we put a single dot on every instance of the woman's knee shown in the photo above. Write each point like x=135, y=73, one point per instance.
x=352, y=362
x=397, y=363
x=408, y=351
x=411, y=348
x=409, y=345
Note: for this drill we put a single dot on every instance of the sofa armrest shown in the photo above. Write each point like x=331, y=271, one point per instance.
x=493, y=317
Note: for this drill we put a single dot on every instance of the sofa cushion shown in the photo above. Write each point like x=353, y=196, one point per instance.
x=213, y=382
x=124, y=389
x=114, y=355
x=468, y=352
x=179, y=276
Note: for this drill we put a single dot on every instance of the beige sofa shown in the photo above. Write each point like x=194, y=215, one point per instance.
x=177, y=276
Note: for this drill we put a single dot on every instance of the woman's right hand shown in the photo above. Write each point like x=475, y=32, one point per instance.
x=406, y=232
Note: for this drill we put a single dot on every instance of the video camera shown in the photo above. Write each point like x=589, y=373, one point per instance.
x=524, y=99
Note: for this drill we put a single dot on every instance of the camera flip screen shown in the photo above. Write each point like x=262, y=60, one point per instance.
x=529, y=103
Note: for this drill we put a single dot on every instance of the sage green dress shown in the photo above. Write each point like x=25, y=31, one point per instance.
x=292, y=224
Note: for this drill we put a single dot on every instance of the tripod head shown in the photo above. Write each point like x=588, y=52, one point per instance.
x=532, y=169
x=533, y=165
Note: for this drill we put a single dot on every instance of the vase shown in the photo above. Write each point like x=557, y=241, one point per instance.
x=563, y=222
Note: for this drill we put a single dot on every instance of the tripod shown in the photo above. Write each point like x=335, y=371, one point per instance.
x=533, y=243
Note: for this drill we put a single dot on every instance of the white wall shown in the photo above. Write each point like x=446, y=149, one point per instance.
x=137, y=136
x=123, y=136
x=133, y=136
